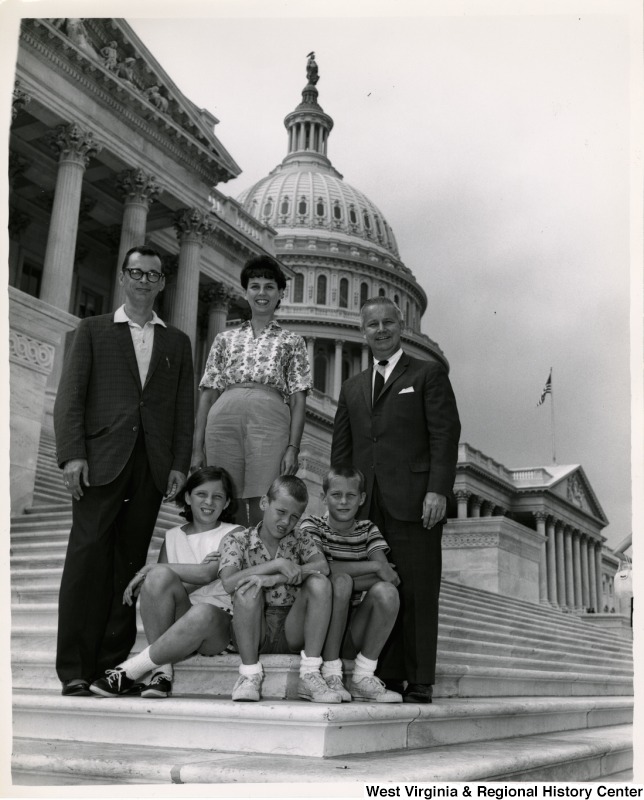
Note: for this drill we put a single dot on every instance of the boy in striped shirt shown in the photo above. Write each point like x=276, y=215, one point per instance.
x=357, y=555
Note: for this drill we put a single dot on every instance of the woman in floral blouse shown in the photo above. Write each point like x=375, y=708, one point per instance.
x=252, y=402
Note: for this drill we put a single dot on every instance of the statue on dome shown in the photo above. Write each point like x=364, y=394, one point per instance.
x=312, y=69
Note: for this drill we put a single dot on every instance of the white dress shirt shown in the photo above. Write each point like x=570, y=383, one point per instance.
x=385, y=371
x=142, y=339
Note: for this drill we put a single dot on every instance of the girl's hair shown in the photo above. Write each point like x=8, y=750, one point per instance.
x=200, y=477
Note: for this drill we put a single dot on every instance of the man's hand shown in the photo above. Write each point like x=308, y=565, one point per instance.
x=176, y=480
x=434, y=507
x=75, y=475
x=386, y=572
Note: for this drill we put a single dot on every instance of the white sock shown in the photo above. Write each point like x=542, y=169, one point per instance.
x=332, y=668
x=364, y=667
x=309, y=663
x=137, y=666
x=250, y=669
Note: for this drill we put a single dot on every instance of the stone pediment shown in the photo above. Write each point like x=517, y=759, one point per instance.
x=576, y=490
x=110, y=54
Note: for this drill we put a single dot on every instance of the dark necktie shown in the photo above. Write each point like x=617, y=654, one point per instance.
x=379, y=381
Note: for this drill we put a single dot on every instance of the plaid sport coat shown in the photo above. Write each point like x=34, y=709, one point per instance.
x=101, y=405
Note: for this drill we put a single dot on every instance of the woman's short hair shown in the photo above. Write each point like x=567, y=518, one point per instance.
x=262, y=267
x=201, y=476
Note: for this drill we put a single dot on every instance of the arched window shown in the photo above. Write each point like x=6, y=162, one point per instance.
x=319, y=373
x=320, y=298
x=302, y=206
x=337, y=210
x=397, y=300
x=353, y=217
x=364, y=294
x=285, y=206
x=298, y=288
x=319, y=207
x=344, y=293
x=378, y=226
x=367, y=221
x=268, y=207
x=381, y=292
x=346, y=370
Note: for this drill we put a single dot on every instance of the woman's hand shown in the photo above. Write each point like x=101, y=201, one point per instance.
x=198, y=460
x=290, y=462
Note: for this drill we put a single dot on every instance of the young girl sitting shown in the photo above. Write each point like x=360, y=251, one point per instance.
x=184, y=607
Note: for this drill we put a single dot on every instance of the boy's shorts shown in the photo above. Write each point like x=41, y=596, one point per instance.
x=275, y=636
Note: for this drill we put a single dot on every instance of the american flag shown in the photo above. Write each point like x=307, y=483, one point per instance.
x=547, y=389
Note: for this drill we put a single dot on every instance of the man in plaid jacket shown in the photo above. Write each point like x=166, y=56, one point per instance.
x=123, y=420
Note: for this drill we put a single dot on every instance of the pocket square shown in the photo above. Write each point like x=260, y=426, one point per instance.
x=408, y=389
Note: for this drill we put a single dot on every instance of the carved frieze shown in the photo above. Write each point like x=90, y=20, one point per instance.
x=30, y=352
x=575, y=490
x=73, y=143
x=452, y=540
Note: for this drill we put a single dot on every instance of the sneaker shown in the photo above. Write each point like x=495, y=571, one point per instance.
x=312, y=686
x=160, y=686
x=334, y=682
x=247, y=689
x=372, y=690
x=115, y=683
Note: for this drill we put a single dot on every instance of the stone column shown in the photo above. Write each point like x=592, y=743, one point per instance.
x=570, y=584
x=337, y=368
x=585, y=598
x=543, y=563
x=191, y=226
x=551, y=557
x=365, y=357
x=598, y=576
x=476, y=506
x=461, y=500
x=75, y=147
x=139, y=192
x=593, y=597
x=576, y=566
x=561, y=562
x=486, y=508
x=218, y=298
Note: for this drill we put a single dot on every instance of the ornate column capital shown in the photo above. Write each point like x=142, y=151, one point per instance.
x=138, y=187
x=217, y=296
x=462, y=495
x=19, y=100
x=74, y=144
x=191, y=224
x=540, y=516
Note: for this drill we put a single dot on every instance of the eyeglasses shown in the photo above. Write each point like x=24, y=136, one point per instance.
x=137, y=274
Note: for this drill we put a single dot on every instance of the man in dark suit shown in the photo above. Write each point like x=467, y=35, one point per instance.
x=398, y=423
x=123, y=420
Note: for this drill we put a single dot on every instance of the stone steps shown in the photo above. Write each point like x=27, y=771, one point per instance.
x=287, y=727
x=563, y=756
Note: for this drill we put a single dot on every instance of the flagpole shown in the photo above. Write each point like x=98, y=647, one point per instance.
x=552, y=417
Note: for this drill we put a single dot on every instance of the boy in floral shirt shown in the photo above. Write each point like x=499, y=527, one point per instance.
x=281, y=593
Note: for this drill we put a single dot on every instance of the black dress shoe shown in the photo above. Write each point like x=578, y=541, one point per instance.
x=76, y=687
x=418, y=693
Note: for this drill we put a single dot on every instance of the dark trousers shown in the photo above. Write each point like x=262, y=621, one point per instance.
x=111, y=530
x=410, y=652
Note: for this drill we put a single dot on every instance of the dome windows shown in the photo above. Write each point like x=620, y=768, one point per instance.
x=268, y=207
x=381, y=292
x=343, y=301
x=298, y=288
x=353, y=217
x=366, y=220
x=285, y=205
x=302, y=206
x=337, y=211
x=320, y=208
x=320, y=295
x=364, y=293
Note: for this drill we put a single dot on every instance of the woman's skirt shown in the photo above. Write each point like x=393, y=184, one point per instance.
x=246, y=434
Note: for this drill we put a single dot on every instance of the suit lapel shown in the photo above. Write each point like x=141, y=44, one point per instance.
x=397, y=371
x=366, y=379
x=126, y=347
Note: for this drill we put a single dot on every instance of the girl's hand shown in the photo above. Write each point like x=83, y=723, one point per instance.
x=133, y=588
x=211, y=557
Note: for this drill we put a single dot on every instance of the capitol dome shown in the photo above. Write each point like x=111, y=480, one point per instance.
x=339, y=247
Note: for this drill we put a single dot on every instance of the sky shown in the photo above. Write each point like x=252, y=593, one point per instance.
x=497, y=139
